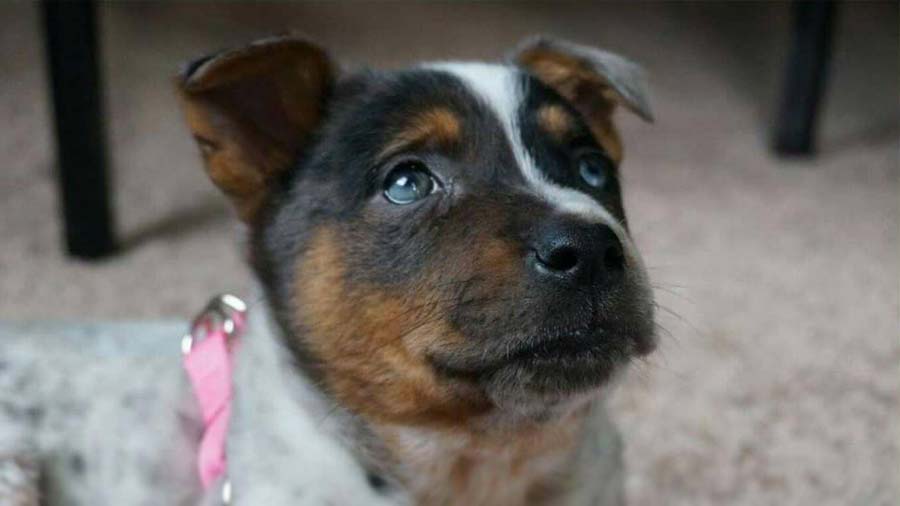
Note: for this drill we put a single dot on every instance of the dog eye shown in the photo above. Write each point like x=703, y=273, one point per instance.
x=408, y=182
x=595, y=169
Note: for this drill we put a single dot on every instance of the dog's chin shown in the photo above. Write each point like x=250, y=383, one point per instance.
x=553, y=374
x=542, y=385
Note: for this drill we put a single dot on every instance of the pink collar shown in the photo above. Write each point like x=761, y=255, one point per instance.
x=208, y=359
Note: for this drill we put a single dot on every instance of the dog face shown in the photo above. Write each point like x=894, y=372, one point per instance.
x=440, y=243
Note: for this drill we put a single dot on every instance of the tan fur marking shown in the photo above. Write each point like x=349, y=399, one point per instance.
x=438, y=127
x=555, y=121
x=374, y=342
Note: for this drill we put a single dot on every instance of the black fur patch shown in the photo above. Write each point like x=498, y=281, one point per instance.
x=557, y=159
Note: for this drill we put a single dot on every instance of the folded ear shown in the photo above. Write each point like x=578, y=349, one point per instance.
x=592, y=80
x=252, y=111
x=587, y=76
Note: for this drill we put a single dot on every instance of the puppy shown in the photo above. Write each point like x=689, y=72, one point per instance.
x=447, y=289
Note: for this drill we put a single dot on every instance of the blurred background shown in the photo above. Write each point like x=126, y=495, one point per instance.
x=778, y=379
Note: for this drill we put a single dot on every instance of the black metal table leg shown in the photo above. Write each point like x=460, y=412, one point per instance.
x=71, y=45
x=807, y=72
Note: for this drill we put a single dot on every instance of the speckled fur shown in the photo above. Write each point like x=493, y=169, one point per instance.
x=102, y=429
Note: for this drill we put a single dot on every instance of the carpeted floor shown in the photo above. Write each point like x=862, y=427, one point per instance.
x=778, y=381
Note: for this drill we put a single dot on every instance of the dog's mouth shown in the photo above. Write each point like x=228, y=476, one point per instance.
x=574, y=347
x=549, y=356
x=590, y=355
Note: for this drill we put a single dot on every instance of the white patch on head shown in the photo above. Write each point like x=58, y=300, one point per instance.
x=501, y=89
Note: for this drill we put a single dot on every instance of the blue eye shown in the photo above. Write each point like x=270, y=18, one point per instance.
x=595, y=169
x=408, y=182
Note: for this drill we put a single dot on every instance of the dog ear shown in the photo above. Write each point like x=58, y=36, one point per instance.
x=252, y=110
x=586, y=76
x=592, y=80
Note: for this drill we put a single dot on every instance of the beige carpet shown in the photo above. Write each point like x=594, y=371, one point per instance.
x=780, y=380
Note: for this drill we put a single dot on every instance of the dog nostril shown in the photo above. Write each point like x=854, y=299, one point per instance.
x=613, y=258
x=563, y=259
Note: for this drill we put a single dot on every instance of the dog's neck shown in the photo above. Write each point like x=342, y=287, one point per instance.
x=286, y=436
x=442, y=467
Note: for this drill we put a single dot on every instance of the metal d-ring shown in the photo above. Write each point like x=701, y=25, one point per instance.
x=220, y=312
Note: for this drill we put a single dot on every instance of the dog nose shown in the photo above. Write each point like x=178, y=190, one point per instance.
x=579, y=253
